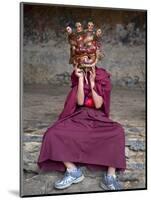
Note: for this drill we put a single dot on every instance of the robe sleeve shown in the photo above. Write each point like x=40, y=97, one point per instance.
x=70, y=103
x=103, y=88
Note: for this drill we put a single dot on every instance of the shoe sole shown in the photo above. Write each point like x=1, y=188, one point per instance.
x=78, y=180
x=104, y=186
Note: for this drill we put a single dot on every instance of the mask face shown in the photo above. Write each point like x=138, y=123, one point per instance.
x=84, y=46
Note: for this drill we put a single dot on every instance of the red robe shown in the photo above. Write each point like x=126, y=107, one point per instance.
x=84, y=135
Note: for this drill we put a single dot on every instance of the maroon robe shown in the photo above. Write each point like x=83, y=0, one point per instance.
x=83, y=135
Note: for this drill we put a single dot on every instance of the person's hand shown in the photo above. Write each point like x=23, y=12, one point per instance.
x=92, y=77
x=78, y=72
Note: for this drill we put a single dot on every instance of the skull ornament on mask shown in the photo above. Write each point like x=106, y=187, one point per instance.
x=84, y=45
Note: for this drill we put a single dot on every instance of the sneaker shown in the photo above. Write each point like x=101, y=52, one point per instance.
x=70, y=177
x=110, y=182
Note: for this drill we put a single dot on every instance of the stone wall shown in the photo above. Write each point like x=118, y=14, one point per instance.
x=46, y=50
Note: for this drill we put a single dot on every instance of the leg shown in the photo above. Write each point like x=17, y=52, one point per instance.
x=111, y=171
x=69, y=165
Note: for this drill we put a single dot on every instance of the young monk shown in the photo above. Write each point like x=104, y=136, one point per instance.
x=84, y=135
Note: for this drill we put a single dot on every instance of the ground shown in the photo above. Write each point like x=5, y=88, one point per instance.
x=41, y=106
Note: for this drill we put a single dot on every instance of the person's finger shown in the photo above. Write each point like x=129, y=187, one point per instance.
x=79, y=70
x=94, y=73
x=90, y=71
x=82, y=71
x=93, y=69
x=91, y=74
x=75, y=66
